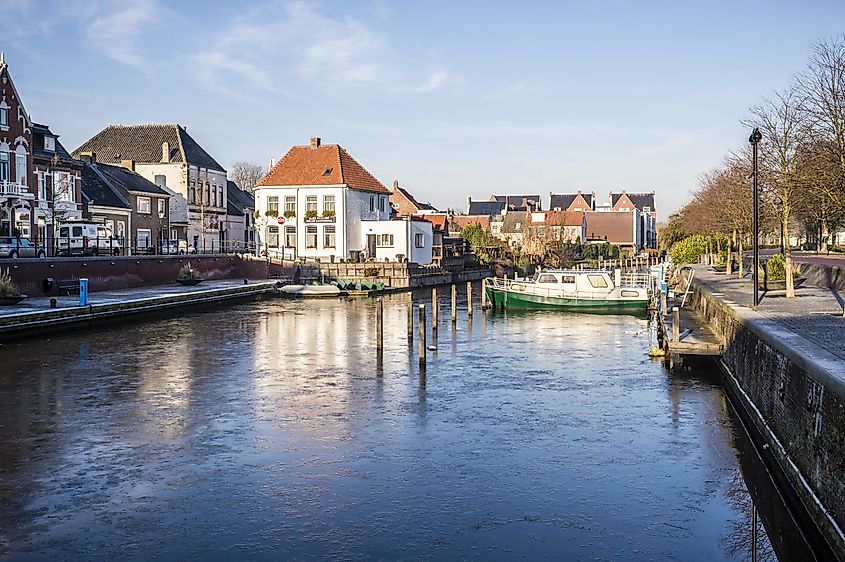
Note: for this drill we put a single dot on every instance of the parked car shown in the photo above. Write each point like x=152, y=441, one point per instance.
x=15, y=247
x=177, y=247
x=86, y=238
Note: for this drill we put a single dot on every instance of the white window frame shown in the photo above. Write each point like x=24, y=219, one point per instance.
x=290, y=204
x=161, y=207
x=145, y=233
x=20, y=171
x=49, y=143
x=309, y=232
x=145, y=203
x=42, y=186
x=384, y=240
x=419, y=240
x=328, y=203
x=4, y=116
x=290, y=237
x=310, y=203
x=329, y=236
x=5, y=168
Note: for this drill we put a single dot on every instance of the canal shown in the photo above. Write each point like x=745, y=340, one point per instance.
x=267, y=430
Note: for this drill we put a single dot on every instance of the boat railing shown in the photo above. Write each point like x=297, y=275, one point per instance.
x=643, y=280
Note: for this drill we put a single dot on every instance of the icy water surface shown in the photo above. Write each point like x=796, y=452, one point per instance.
x=265, y=430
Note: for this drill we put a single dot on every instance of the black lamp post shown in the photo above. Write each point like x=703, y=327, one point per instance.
x=755, y=139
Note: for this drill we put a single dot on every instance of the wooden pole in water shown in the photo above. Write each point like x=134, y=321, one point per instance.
x=753, y=532
x=422, y=336
x=454, y=303
x=469, y=298
x=379, y=324
x=676, y=324
x=484, y=294
x=435, y=305
x=663, y=303
x=410, y=315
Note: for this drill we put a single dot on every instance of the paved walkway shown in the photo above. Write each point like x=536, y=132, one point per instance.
x=41, y=304
x=815, y=313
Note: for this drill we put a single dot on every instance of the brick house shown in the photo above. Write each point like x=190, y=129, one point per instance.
x=406, y=205
x=17, y=192
x=644, y=205
x=572, y=201
x=167, y=155
x=148, y=224
x=58, y=178
x=621, y=228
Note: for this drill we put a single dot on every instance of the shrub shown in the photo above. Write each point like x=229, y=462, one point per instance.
x=290, y=214
x=687, y=250
x=187, y=272
x=310, y=215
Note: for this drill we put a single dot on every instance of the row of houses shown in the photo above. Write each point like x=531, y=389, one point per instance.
x=150, y=184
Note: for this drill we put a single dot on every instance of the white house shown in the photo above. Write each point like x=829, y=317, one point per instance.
x=318, y=202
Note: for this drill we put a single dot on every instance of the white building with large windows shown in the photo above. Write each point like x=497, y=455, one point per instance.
x=318, y=202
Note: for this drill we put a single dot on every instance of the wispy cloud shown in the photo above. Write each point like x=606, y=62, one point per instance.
x=114, y=31
x=661, y=142
x=276, y=43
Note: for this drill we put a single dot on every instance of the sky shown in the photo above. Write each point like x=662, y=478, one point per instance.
x=453, y=99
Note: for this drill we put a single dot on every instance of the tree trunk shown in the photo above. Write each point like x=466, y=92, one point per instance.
x=823, y=230
x=728, y=264
x=741, y=270
x=790, y=282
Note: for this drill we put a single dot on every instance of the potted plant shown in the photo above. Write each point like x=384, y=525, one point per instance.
x=773, y=276
x=310, y=215
x=9, y=293
x=289, y=214
x=271, y=213
x=188, y=275
x=328, y=213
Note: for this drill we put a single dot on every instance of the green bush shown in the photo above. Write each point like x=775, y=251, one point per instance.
x=687, y=250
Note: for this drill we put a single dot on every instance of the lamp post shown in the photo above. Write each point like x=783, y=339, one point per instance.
x=755, y=139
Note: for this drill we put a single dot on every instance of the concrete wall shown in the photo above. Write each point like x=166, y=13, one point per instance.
x=794, y=394
x=828, y=276
x=120, y=273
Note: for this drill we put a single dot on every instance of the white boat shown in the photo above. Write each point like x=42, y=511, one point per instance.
x=572, y=289
x=310, y=291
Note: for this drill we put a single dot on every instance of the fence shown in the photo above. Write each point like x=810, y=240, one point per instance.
x=18, y=247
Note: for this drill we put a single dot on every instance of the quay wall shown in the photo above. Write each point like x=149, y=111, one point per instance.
x=828, y=276
x=793, y=392
x=107, y=273
x=395, y=275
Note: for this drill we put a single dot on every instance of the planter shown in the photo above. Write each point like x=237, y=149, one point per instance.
x=11, y=300
x=189, y=282
x=780, y=284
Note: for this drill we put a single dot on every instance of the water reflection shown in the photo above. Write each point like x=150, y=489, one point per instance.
x=270, y=431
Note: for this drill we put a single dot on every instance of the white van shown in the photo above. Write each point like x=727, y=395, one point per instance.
x=86, y=238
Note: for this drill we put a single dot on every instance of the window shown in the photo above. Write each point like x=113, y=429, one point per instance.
x=144, y=237
x=273, y=204
x=546, y=278
x=419, y=241
x=290, y=237
x=62, y=187
x=49, y=143
x=192, y=195
x=290, y=205
x=273, y=236
x=311, y=203
x=328, y=203
x=4, y=166
x=144, y=206
x=384, y=240
x=77, y=231
x=110, y=227
x=42, y=186
x=213, y=200
x=381, y=201
x=597, y=281
x=20, y=168
x=372, y=203
x=568, y=279
x=4, y=116
x=161, y=207
x=329, y=236
x=310, y=236
x=121, y=230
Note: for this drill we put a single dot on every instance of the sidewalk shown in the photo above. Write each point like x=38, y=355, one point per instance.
x=815, y=313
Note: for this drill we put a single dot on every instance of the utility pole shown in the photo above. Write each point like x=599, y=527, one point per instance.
x=755, y=139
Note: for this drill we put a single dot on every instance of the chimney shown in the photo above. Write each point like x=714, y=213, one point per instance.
x=128, y=164
x=315, y=142
x=272, y=163
x=395, y=185
x=88, y=157
x=165, y=151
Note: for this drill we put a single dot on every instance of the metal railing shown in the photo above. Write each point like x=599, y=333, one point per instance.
x=81, y=246
x=14, y=189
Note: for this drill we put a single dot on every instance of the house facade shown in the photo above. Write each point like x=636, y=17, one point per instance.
x=58, y=178
x=582, y=202
x=241, y=220
x=318, y=202
x=17, y=190
x=114, y=190
x=406, y=205
x=644, y=204
x=168, y=155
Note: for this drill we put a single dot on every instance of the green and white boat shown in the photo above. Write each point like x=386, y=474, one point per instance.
x=572, y=289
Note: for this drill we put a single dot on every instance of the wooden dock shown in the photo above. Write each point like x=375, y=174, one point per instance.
x=685, y=332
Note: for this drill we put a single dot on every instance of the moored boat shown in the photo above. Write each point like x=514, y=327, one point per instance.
x=571, y=289
x=311, y=291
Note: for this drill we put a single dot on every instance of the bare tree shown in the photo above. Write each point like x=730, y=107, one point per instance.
x=246, y=174
x=780, y=121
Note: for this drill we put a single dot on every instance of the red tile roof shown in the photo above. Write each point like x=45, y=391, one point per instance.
x=462, y=221
x=327, y=164
x=439, y=220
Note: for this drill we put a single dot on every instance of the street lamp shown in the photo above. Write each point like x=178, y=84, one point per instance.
x=755, y=139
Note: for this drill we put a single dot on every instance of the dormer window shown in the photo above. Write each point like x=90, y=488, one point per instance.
x=49, y=143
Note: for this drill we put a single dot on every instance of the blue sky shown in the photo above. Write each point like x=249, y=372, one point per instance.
x=454, y=99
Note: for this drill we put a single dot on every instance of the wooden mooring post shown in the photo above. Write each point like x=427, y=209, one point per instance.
x=469, y=298
x=454, y=303
x=484, y=294
x=410, y=315
x=676, y=324
x=379, y=330
x=435, y=306
x=422, y=345
x=663, y=310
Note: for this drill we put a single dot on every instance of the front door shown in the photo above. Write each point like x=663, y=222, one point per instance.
x=371, y=246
